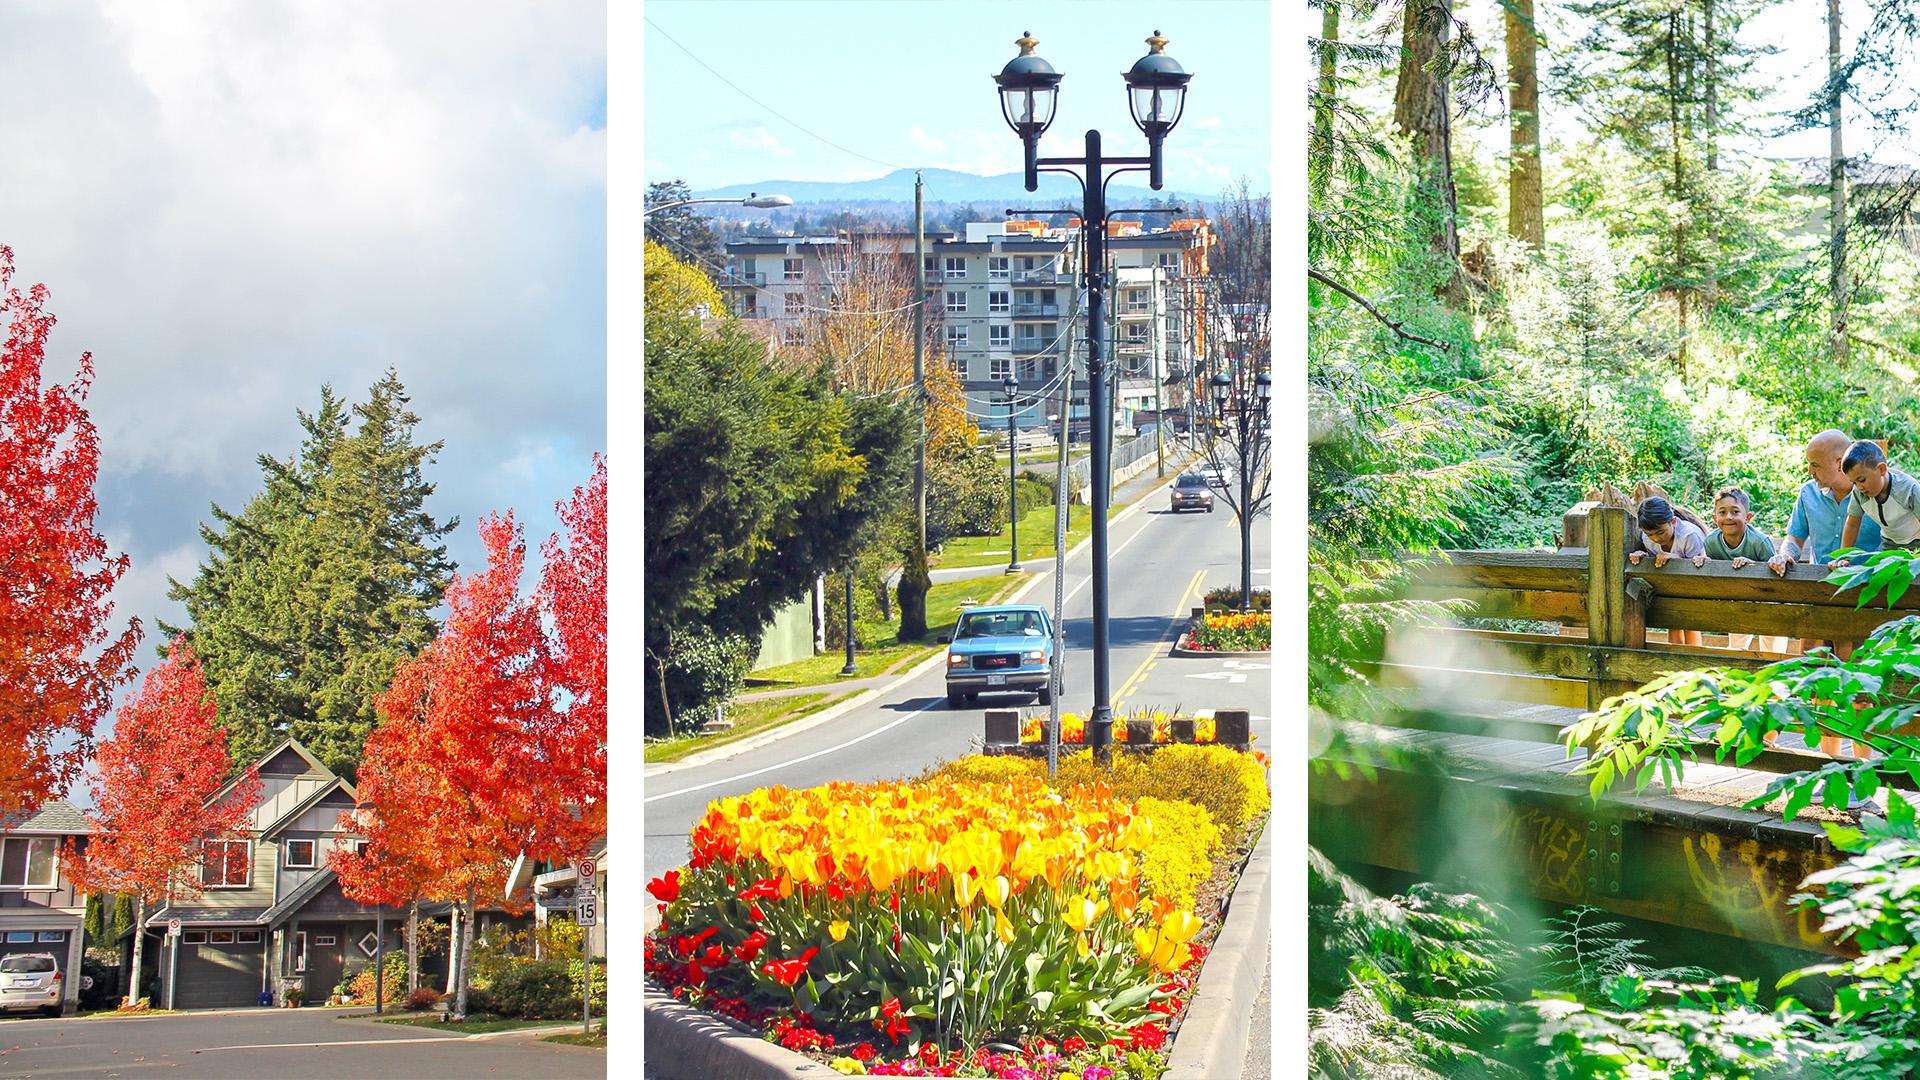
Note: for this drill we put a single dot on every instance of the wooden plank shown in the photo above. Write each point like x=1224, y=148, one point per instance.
x=1606, y=576
x=1509, y=603
x=1752, y=617
x=1542, y=654
x=1543, y=571
x=1532, y=689
x=1720, y=581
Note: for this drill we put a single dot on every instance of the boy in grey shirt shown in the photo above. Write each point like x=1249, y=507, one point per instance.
x=1882, y=494
x=1734, y=536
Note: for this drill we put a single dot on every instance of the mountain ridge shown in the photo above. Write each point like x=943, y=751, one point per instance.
x=950, y=186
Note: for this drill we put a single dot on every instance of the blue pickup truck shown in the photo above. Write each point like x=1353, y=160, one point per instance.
x=1008, y=648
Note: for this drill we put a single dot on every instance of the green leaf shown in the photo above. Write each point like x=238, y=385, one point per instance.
x=1798, y=799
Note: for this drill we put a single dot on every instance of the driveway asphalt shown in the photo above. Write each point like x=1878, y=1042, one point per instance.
x=285, y=1044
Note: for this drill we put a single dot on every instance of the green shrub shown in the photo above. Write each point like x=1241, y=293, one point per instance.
x=1180, y=855
x=705, y=669
x=359, y=987
x=422, y=999
x=534, y=990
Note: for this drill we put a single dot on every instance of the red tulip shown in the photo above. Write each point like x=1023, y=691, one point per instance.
x=788, y=972
x=751, y=947
x=666, y=888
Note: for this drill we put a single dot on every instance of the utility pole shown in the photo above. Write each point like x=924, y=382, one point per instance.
x=919, y=354
x=1159, y=411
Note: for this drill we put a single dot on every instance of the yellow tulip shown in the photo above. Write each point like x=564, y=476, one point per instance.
x=881, y=871
x=1180, y=926
x=1144, y=940
x=1081, y=947
x=965, y=886
x=1079, y=913
x=838, y=929
x=1139, y=832
x=995, y=891
x=1002, y=927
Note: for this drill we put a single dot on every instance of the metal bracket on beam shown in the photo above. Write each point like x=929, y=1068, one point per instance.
x=1606, y=855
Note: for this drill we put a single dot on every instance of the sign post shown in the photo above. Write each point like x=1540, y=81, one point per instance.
x=586, y=915
x=379, y=959
x=173, y=958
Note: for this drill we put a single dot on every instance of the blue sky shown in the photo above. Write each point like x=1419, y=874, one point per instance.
x=910, y=85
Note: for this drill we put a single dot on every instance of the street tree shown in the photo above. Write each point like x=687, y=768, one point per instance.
x=323, y=583
x=573, y=598
x=1242, y=349
x=61, y=657
x=453, y=782
x=683, y=228
x=161, y=794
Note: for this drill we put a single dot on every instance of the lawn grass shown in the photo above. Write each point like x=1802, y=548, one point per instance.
x=598, y=1042
x=1036, y=539
x=472, y=1025
x=1049, y=456
x=749, y=718
x=943, y=610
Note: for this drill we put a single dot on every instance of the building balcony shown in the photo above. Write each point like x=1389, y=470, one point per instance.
x=1036, y=311
x=1047, y=276
x=731, y=277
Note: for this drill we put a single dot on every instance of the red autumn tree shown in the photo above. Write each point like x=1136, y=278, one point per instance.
x=573, y=594
x=60, y=662
x=451, y=783
x=161, y=793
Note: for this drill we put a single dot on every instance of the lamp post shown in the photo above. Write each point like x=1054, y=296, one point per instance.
x=851, y=668
x=1010, y=384
x=1156, y=95
x=758, y=202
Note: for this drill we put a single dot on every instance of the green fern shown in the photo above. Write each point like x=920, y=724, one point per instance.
x=1584, y=951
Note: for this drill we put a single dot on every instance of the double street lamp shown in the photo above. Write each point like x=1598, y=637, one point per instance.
x=1156, y=95
x=758, y=202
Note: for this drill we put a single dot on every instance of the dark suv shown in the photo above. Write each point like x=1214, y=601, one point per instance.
x=1191, y=492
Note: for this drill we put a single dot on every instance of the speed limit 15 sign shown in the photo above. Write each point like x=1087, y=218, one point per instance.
x=586, y=910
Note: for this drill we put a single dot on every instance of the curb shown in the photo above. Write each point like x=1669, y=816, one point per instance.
x=1180, y=649
x=1212, y=1041
x=684, y=1043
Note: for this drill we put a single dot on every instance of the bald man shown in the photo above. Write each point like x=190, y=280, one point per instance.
x=1820, y=510
x=1819, y=518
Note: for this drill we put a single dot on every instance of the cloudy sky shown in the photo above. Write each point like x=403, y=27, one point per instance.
x=910, y=86
x=233, y=203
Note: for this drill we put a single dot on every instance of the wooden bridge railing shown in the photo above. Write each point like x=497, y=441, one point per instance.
x=1597, y=588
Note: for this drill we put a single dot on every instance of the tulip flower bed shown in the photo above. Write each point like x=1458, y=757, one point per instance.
x=952, y=926
x=1233, y=632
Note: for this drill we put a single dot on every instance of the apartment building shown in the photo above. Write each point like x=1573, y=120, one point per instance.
x=1003, y=299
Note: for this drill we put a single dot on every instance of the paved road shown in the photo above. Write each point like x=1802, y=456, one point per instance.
x=1161, y=563
x=286, y=1044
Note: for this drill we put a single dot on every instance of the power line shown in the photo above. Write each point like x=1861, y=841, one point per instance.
x=723, y=272
x=766, y=106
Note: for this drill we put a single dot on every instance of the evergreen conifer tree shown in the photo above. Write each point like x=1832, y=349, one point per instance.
x=314, y=592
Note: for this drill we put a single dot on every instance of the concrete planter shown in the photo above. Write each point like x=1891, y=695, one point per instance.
x=1180, y=649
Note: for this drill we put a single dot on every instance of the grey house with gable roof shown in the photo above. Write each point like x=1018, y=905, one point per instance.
x=40, y=910
x=271, y=915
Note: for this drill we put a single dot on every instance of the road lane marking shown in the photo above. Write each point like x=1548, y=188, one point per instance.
x=1153, y=655
x=795, y=761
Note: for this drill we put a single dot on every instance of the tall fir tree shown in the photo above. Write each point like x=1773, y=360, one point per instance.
x=312, y=595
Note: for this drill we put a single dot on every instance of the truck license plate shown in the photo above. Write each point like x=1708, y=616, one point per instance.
x=996, y=680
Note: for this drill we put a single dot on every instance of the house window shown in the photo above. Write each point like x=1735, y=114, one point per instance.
x=368, y=943
x=796, y=303
x=325, y=939
x=1047, y=296
x=957, y=365
x=1029, y=371
x=226, y=864
x=933, y=266
x=956, y=300
x=794, y=269
x=999, y=337
x=794, y=335
x=1026, y=262
x=956, y=268
x=999, y=367
x=997, y=266
x=997, y=303
x=53, y=935
x=1169, y=258
x=220, y=937
x=248, y=937
x=194, y=937
x=300, y=854
x=1137, y=335
x=956, y=337
x=16, y=936
x=299, y=951
x=28, y=863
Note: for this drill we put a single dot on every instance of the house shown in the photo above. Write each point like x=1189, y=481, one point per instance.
x=40, y=910
x=271, y=916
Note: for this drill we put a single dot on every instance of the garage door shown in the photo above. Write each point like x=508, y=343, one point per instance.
x=219, y=970
x=13, y=942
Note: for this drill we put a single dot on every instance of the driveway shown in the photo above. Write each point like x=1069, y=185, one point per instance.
x=286, y=1044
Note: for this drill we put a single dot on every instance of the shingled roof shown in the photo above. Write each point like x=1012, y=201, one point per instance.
x=54, y=816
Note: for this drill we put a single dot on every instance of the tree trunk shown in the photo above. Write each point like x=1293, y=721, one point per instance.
x=915, y=580
x=139, y=941
x=1678, y=197
x=1712, y=55
x=466, y=955
x=413, y=945
x=1837, y=192
x=1526, y=213
x=453, y=950
x=1421, y=111
x=1322, y=151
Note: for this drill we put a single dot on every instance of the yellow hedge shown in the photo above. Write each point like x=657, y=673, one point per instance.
x=1229, y=783
x=1180, y=855
x=990, y=768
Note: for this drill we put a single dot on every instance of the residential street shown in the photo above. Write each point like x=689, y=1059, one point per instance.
x=1161, y=562
x=288, y=1044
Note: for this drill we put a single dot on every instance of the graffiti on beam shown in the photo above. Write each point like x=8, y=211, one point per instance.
x=1752, y=887
x=1552, y=847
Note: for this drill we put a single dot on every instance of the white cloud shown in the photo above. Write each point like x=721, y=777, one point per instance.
x=974, y=150
x=925, y=143
x=234, y=203
x=758, y=138
x=1209, y=122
